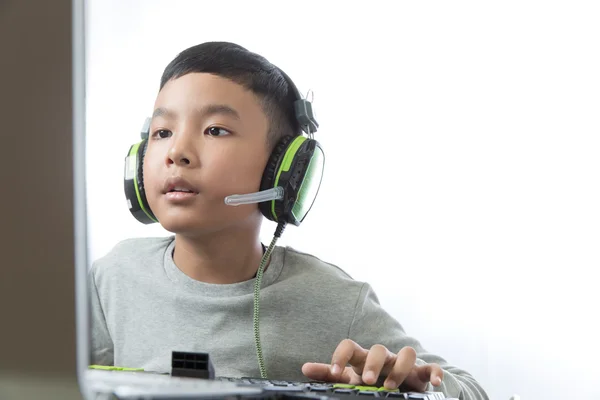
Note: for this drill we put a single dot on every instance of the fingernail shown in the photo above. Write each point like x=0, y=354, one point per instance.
x=439, y=380
x=335, y=369
x=391, y=384
x=369, y=376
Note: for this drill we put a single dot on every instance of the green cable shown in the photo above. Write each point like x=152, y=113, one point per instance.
x=257, y=285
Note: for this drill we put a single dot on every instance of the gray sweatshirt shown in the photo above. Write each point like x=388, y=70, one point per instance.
x=144, y=307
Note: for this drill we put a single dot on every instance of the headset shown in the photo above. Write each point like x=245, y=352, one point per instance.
x=289, y=185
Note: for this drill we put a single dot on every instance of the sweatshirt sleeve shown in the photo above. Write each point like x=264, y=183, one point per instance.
x=102, y=345
x=373, y=325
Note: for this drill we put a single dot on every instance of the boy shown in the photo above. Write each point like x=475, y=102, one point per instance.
x=219, y=113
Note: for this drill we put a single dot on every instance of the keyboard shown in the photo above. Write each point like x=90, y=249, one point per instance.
x=133, y=385
x=279, y=389
x=193, y=377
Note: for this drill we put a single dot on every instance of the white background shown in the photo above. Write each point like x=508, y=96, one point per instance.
x=462, y=161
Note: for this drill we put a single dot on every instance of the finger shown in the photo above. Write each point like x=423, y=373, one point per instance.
x=421, y=375
x=413, y=382
x=377, y=358
x=322, y=372
x=430, y=373
x=347, y=352
x=403, y=365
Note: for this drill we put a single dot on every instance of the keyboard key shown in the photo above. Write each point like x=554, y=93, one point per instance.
x=321, y=389
x=284, y=388
x=290, y=396
x=280, y=383
x=343, y=386
x=417, y=396
x=367, y=388
x=342, y=391
x=384, y=389
x=257, y=380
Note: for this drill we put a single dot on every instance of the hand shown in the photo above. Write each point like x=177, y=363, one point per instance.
x=366, y=366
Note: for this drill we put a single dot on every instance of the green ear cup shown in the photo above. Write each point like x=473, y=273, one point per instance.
x=135, y=192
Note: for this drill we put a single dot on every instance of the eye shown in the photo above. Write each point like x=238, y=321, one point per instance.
x=162, y=134
x=216, y=131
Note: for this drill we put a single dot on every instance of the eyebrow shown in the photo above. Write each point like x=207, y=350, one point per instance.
x=206, y=111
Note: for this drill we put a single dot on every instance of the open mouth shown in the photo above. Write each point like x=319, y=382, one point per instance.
x=178, y=190
x=181, y=190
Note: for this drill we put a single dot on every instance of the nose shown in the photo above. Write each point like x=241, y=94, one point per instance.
x=182, y=151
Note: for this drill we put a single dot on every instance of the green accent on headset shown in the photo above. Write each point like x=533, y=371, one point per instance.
x=310, y=185
x=286, y=164
x=133, y=153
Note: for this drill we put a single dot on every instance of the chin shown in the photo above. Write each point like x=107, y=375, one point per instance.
x=187, y=226
x=194, y=225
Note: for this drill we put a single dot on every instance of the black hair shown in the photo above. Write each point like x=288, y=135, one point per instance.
x=250, y=70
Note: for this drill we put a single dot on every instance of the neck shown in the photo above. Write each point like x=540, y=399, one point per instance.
x=225, y=257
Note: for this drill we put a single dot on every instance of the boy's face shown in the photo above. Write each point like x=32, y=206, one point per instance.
x=208, y=135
